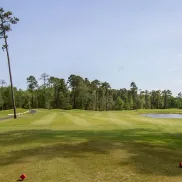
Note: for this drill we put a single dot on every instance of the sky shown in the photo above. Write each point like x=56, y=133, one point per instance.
x=111, y=40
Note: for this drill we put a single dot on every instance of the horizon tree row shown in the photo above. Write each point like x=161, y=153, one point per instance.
x=81, y=93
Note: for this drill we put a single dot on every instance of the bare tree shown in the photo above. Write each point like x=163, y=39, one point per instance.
x=6, y=19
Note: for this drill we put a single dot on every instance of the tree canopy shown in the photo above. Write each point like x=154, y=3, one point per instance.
x=81, y=93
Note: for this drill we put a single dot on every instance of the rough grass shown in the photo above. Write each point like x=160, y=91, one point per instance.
x=91, y=146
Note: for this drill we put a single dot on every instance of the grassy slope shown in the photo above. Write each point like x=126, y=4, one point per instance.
x=90, y=146
x=5, y=113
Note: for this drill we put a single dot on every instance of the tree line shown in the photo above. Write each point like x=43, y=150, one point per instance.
x=81, y=93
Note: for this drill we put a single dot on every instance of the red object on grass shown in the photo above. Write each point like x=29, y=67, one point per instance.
x=23, y=176
x=180, y=164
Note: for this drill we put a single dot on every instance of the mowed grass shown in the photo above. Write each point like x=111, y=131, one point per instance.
x=87, y=146
x=4, y=113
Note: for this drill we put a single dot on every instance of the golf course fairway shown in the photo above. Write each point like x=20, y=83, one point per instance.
x=91, y=146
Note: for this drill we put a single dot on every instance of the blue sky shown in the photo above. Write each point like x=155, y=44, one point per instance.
x=110, y=40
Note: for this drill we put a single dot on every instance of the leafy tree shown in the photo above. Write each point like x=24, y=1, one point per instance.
x=133, y=89
x=141, y=100
x=106, y=86
x=1, y=101
x=119, y=104
x=179, y=100
x=95, y=85
x=76, y=83
x=167, y=96
x=147, y=100
x=45, y=78
x=2, y=83
x=32, y=85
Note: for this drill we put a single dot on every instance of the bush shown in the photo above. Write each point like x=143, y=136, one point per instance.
x=67, y=107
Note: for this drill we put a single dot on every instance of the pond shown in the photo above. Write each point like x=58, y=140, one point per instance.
x=163, y=115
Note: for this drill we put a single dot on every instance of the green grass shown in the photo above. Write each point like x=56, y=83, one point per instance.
x=5, y=113
x=161, y=111
x=82, y=146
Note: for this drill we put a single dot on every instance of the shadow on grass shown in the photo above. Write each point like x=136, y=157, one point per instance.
x=150, y=151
